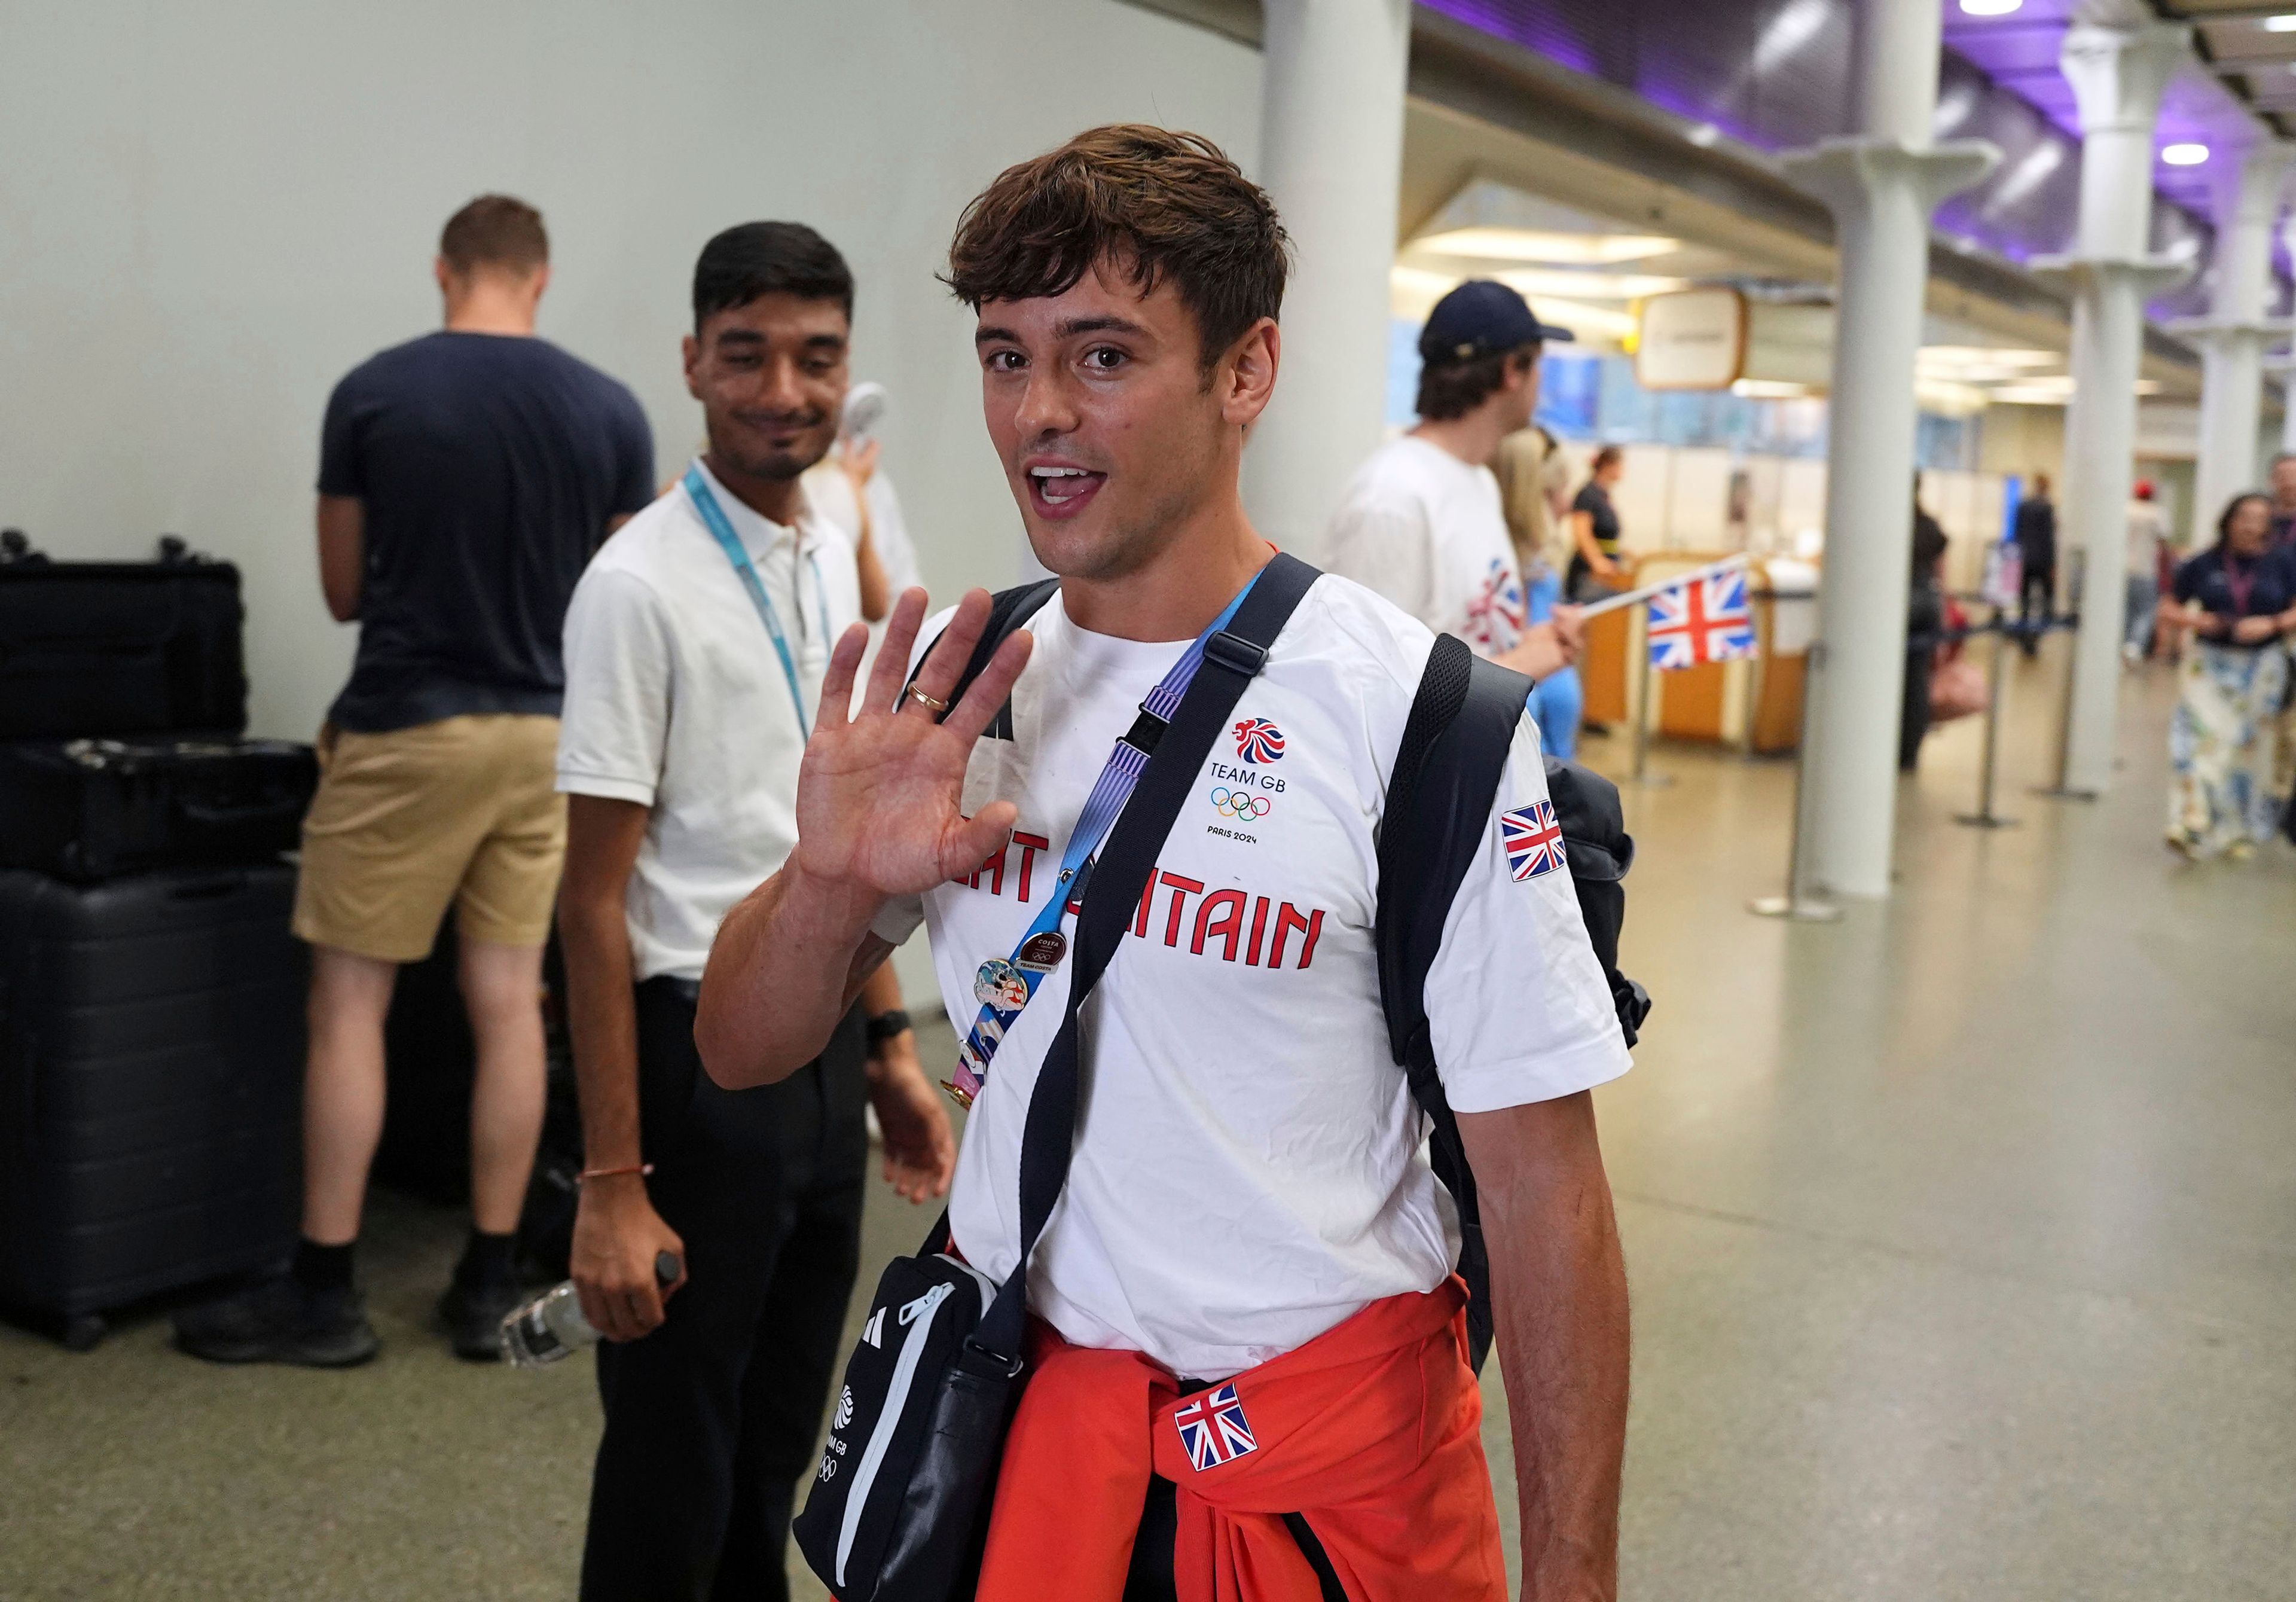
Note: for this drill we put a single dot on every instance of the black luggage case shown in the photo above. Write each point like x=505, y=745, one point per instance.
x=150, y=1074
x=115, y=648
x=92, y=810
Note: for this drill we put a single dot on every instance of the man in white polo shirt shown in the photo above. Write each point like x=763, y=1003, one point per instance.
x=695, y=647
x=1247, y=1200
x=1423, y=522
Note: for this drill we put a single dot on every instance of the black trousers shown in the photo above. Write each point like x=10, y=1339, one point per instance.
x=713, y=1419
x=2036, y=602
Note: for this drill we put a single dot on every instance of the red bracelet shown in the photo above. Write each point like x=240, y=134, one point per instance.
x=589, y=1174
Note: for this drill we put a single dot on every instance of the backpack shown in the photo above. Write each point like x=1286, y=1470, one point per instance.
x=1441, y=789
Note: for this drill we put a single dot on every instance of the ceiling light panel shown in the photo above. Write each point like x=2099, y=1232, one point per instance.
x=1599, y=286
x=1556, y=249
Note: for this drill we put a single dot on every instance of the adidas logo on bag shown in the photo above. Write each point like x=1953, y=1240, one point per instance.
x=874, y=1331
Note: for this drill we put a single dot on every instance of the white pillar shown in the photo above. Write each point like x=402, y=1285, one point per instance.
x=1882, y=187
x=2231, y=338
x=1331, y=154
x=2117, y=75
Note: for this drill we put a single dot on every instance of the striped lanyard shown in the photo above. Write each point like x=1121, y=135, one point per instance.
x=713, y=517
x=1004, y=985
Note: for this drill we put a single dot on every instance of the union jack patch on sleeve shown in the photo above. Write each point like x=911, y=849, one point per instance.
x=1533, y=839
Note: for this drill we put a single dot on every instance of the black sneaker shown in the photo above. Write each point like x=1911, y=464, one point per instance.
x=279, y=1321
x=473, y=1315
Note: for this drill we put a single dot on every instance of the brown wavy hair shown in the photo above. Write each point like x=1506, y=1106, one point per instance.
x=1148, y=203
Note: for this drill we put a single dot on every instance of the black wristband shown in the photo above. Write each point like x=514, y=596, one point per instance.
x=884, y=1026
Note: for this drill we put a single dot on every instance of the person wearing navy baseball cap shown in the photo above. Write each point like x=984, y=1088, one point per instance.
x=1423, y=523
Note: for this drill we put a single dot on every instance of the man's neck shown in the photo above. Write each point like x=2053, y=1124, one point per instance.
x=1180, y=590
x=777, y=500
x=486, y=309
x=1474, y=439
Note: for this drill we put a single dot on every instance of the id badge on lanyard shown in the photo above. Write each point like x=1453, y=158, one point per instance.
x=1003, y=985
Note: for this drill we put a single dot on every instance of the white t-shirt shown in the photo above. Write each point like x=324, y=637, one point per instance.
x=2146, y=531
x=1428, y=532
x=1248, y=1172
x=675, y=699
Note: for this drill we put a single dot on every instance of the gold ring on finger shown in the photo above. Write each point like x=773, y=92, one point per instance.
x=931, y=703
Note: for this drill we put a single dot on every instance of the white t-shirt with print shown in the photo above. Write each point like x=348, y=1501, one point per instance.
x=1428, y=532
x=1248, y=1172
x=675, y=699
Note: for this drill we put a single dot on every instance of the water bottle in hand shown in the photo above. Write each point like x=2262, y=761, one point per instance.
x=551, y=1327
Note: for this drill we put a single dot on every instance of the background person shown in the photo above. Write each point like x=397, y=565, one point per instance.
x=465, y=479
x=851, y=490
x=1535, y=493
x=1595, y=570
x=2281, y=478
x=2035, y=531
x=2237, y=600
x=2148, y=532
x=1420, y=522
x=1924, y=631
x=1534, y=489
x=680, y=751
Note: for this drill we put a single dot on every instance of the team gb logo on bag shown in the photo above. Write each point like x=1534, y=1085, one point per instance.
x=1257, y=741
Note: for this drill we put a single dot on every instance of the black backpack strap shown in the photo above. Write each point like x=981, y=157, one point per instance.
x=1008, y=609
x=1232, y=658
x=1439, y=795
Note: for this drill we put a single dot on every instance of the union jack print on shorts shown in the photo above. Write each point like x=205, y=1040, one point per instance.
x=1533, y=839
x=1213, y=1430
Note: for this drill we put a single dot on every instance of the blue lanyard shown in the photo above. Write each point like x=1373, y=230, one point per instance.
x=1003, y=986
x=713, y=517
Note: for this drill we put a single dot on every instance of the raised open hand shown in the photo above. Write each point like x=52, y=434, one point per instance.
x=879, y=797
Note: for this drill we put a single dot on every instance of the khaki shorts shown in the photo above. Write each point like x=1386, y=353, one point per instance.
x=463, y=810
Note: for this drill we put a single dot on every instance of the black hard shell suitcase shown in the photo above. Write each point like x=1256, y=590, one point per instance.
x=93, y=809
x=150, y=1076
x=116, y=648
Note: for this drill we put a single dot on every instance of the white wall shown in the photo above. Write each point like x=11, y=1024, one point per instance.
x=209, y=213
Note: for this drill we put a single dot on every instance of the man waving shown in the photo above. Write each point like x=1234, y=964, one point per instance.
x=1245, y=1291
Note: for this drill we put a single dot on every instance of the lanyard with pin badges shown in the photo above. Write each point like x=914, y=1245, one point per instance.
x=1003, y=985
x=713, y=518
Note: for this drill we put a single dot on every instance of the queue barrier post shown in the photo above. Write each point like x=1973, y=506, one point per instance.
x=1642, y=776
x=2060, y=791
x=1797, y=904
x=1996, y=687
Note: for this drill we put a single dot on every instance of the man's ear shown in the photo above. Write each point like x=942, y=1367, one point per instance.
x=690, y=350
x=1247, y=374
x=444, y=274
x=541, y=280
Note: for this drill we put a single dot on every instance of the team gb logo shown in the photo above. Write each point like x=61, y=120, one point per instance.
x=1257, y=741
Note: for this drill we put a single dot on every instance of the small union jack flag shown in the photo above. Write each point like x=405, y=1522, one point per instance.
x=1213, y=1430
x=1701, y=620
x=1257, y=741
x=1533, y=839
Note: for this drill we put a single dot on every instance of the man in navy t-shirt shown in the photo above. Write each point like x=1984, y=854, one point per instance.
x=465, y=478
